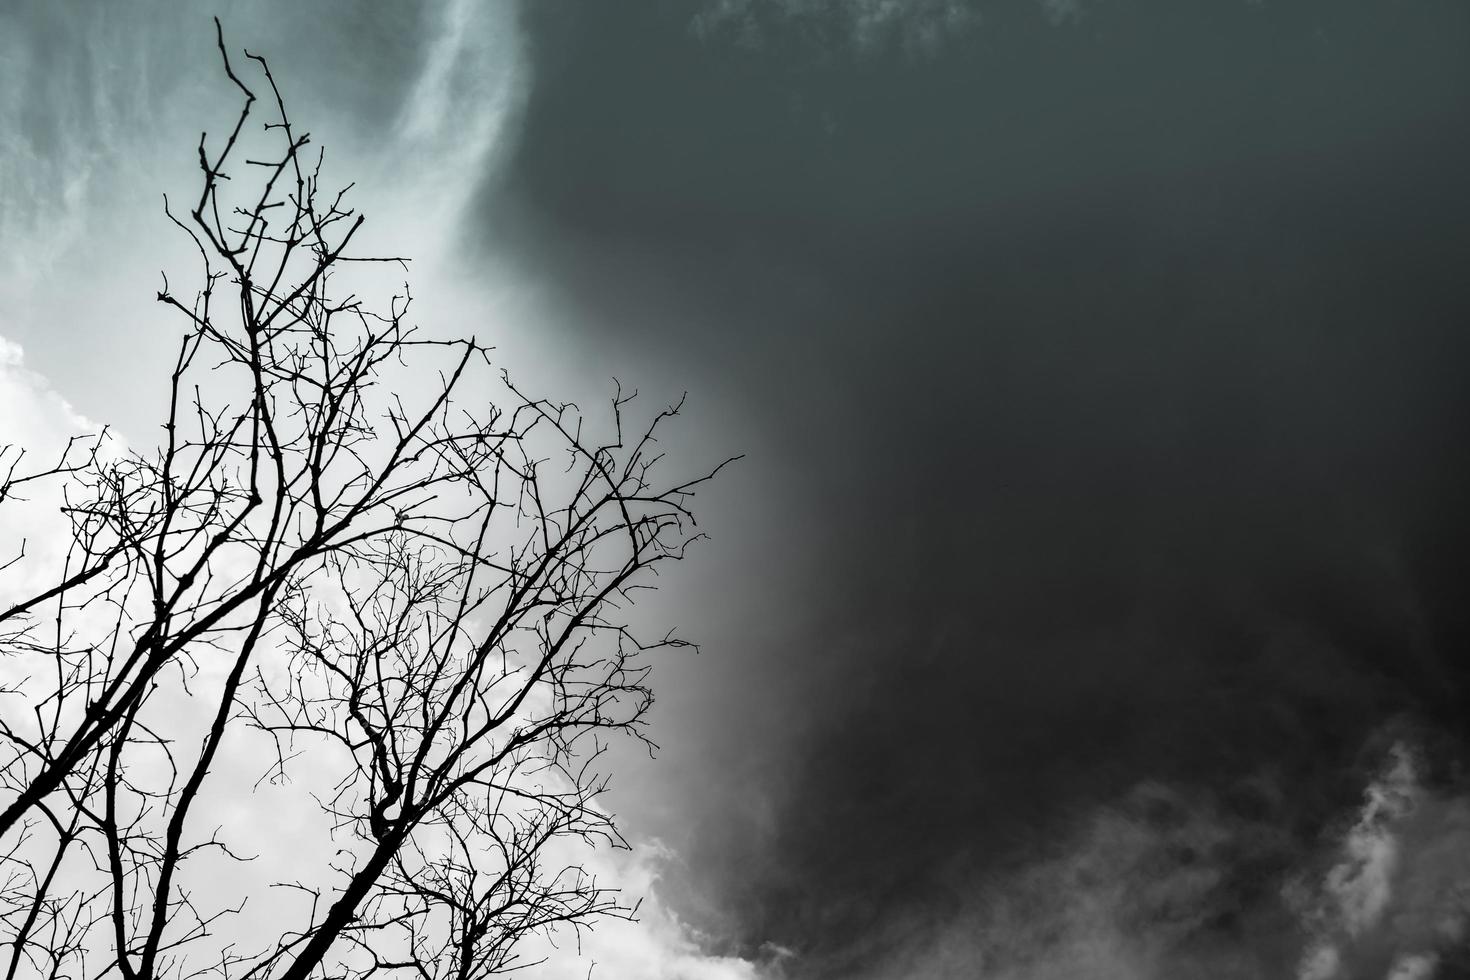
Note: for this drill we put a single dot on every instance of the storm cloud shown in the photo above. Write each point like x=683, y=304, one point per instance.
x=1109, y=361
x=1088, y=601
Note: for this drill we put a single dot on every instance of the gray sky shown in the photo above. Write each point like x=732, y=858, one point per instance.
x=1099, y=365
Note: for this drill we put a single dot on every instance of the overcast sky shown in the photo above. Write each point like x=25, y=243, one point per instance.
x=1089, y=603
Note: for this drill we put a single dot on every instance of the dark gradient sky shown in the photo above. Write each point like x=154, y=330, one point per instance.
x=1117, y=367
x=1100, y=368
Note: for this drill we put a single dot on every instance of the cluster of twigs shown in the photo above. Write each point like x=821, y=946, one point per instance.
x=425, y=596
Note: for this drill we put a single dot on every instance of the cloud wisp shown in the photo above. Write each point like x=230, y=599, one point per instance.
x=862, y=27
x=1172, y=882
x=1395, y=902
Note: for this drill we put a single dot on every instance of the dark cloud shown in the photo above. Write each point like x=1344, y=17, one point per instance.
x=1121, y=360
x=1101, y=370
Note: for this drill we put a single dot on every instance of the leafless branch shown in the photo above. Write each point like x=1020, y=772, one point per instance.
x=345, y=546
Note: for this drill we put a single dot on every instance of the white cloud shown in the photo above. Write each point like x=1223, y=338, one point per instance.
x=1360, y=886
x=1140, y=887
x=37, y=421
x=456, y=124
x=31, y=413
x=656, y=947
x=1398, y=890
x=282, y=827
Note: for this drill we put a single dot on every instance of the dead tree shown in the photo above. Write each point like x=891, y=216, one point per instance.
x=430, y=589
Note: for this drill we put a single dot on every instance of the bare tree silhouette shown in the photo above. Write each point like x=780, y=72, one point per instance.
x=427, y=596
